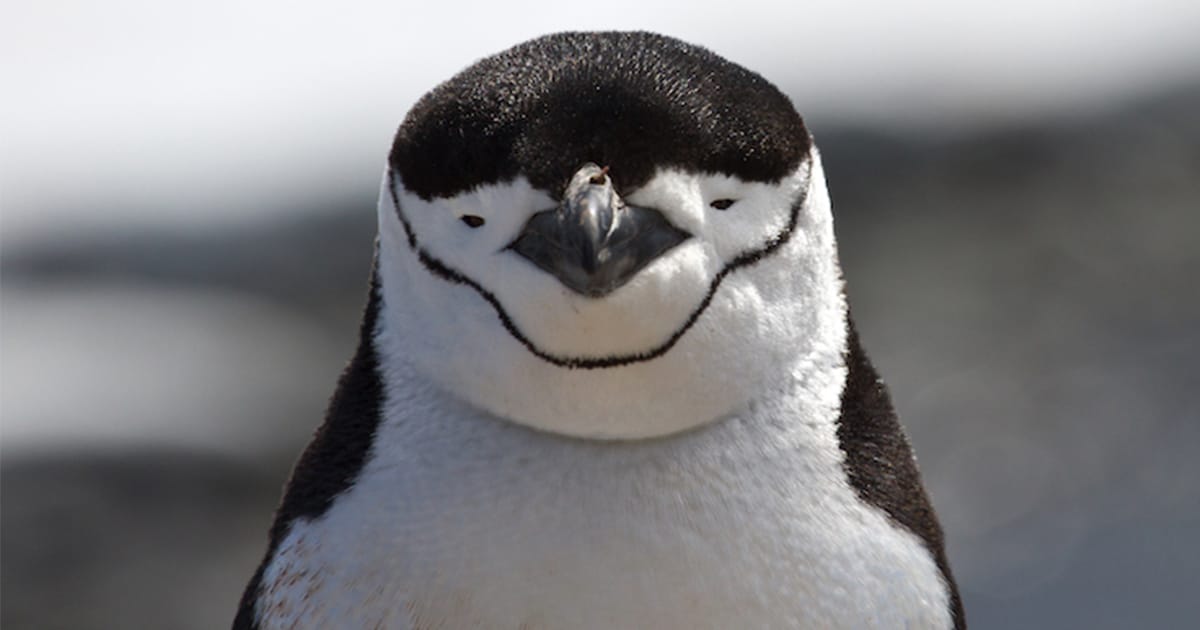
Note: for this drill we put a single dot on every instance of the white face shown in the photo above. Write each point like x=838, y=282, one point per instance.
x=692, y=337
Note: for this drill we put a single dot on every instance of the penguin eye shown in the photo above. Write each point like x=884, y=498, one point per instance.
x=723, y=204
x=472, y=220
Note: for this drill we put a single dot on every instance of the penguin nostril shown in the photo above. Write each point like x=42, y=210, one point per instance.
x=601, y=177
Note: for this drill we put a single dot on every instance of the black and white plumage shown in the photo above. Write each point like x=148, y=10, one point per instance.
x=607, y=377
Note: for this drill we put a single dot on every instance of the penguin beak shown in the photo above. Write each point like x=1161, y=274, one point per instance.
x=594, y=242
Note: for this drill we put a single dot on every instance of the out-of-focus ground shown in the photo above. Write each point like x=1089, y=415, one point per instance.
x=1030, y=294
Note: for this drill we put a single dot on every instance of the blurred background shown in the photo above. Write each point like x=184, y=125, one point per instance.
x=186, y=217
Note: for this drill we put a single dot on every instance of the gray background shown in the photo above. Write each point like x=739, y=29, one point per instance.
x=188, y=208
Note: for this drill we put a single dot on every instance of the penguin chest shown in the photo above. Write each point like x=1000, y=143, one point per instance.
x=567, y=541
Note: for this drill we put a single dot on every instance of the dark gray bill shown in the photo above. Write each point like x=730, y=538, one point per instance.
x=593, y=242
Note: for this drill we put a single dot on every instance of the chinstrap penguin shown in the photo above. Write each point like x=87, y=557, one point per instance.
x=607, y=377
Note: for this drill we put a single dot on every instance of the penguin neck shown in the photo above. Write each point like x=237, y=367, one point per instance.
x=807, y=391
x=735, y=354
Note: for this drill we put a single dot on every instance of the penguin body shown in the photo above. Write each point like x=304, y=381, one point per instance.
x=606, y=375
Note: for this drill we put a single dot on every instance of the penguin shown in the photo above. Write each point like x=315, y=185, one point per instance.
x=607, y=376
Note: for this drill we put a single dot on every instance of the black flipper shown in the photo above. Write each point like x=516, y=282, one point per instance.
x=880, y=461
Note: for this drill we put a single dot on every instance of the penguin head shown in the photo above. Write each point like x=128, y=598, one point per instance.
x=607, y=235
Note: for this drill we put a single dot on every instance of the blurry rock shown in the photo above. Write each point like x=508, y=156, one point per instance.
x=131, y=539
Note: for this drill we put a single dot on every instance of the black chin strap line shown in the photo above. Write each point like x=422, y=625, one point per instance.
x=745, y=259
